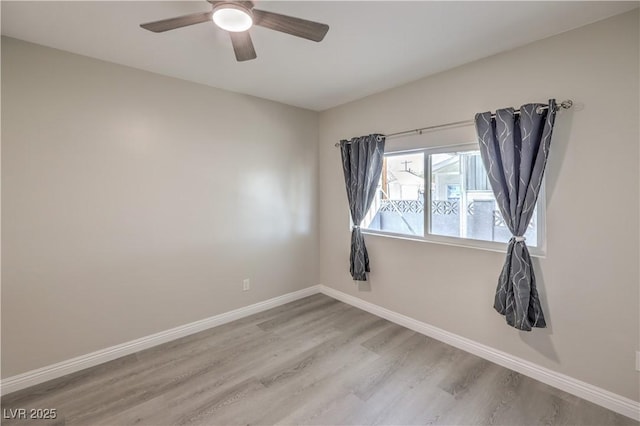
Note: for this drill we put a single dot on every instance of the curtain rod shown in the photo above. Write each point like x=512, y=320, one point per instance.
x=564, y=105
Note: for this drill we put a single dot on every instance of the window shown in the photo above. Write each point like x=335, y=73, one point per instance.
x=461, y=207
x=398, y=206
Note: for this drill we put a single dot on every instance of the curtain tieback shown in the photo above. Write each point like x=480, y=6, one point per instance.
x=518, y=238
x=356, y=227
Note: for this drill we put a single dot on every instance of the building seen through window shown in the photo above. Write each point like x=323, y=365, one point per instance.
x=459, y=198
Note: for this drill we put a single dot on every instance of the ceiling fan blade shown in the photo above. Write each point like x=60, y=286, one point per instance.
x=177, y=22
x=242, y=46
x=310, y=30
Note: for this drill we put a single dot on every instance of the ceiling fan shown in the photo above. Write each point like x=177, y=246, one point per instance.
x=237, y=17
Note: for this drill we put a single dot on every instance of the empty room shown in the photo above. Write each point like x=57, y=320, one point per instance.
x=320, y=213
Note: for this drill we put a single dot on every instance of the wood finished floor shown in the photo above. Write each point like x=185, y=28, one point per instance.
x=315, y=361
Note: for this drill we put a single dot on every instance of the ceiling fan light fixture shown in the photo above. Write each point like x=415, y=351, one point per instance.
x=232, y=17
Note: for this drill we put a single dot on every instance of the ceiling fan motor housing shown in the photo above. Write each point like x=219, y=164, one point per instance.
x=244, y=6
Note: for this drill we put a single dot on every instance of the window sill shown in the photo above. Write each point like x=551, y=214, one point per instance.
x=456, y=242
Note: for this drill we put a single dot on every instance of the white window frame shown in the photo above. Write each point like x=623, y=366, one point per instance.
x=537, y=251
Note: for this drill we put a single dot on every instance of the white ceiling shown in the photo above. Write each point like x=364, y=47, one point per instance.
x=371, y=46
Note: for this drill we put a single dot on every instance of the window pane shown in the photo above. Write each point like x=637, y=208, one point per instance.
x=398, y=206
x=462, y=203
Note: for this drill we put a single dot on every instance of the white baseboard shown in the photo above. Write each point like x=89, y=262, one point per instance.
x=599, y=396
x=41, y=375
x=602, y=397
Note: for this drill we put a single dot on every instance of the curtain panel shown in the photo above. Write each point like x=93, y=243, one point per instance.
x=514, y=149
x=362, y=165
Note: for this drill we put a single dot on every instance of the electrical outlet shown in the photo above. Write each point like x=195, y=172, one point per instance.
x=637, y=360
x=246, y=284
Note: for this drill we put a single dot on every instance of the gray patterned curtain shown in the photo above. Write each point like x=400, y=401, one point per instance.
x=362, y=165
x=514, y=149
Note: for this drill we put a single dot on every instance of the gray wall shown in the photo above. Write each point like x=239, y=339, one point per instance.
x=133, y=203
x=589, y=279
